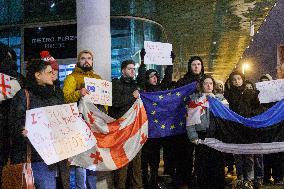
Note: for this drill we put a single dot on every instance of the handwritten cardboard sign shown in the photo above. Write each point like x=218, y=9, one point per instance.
x=270, y=91
x=158, y=53
x=100, y=91
x=58, y=132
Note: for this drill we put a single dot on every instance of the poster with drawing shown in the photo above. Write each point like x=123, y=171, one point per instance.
x=270, y=91
x=158, y=53
x=100, y=91
x=58, y=132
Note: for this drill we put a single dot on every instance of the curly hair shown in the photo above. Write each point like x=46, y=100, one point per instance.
x=33, y=66
x=200, y=83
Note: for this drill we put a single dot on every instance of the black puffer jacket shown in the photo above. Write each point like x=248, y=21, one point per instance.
x=143, y=79
x=40, y=96
x=244, y=101
x=122, y=97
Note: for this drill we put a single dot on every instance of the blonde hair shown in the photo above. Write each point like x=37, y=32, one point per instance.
x=83, y=52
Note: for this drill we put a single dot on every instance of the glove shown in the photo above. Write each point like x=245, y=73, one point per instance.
x=211, y=95
x=142, y=53
x=173, y=56
x=196, y=141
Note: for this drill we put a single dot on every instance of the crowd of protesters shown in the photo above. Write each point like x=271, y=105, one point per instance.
x=188, y=163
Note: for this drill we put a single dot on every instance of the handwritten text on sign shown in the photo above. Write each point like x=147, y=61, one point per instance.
x=270, y=91
x=100, y=91
x=58, y=132
x=158, y=53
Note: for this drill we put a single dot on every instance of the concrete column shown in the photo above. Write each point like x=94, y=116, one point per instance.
x=93, y=33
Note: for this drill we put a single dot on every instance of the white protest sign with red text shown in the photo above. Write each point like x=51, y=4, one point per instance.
x=158, y=53
x=58, y=132
x=100, y=91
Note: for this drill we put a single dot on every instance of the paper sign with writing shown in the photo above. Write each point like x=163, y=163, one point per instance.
x=58, y=132
x=100, y=91
x=158, y=53
x=270, y=91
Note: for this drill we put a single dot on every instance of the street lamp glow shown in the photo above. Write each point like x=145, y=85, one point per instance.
x=245, y=67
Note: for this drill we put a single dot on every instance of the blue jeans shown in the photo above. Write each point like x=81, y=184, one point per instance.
x=85, y=179
x=245, y=166
x=44, y=177
x=258, y=166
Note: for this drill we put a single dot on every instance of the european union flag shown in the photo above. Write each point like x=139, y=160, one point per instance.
x=166, y=110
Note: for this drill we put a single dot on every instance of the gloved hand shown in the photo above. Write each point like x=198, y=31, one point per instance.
x=211, y=95
x=142, y=53
x=196, y=141
x=173, y=56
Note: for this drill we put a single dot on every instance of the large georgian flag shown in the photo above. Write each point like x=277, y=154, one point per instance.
x=9, y=86
x=118, y=141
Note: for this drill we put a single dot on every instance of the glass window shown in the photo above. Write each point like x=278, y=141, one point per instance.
x=12, y=38
x=11, y=11
x=127, y=39
x=49, y=10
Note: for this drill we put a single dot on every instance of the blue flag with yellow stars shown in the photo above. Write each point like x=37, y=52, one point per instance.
x=166, y=110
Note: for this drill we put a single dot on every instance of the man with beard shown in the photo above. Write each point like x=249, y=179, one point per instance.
x=74, y=86
x=74, y=89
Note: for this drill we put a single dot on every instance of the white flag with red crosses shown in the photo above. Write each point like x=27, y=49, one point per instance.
x=196, y=108
x=117, y=141
x=9, y=86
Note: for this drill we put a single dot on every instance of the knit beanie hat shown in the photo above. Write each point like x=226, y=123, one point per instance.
x=150, y=73
x=45, y=56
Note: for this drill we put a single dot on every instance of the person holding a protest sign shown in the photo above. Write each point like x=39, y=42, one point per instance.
x=149, y=80
x=37, y=93
x=8, y=68
x=209, y=163
x=124, y=94
x=74, y=89
x=64, y=172
x=273, y=163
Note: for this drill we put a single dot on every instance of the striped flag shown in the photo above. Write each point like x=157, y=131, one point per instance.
x=232, y=133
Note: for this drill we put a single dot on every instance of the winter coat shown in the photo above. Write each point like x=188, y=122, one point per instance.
x=189, y=78
x=4, y=128
x=143, y=78
x=40, y=96
x=243, y=101
x=122, y=96
x=74, y=82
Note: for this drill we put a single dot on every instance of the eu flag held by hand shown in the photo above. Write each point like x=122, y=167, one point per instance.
x=166, y=110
